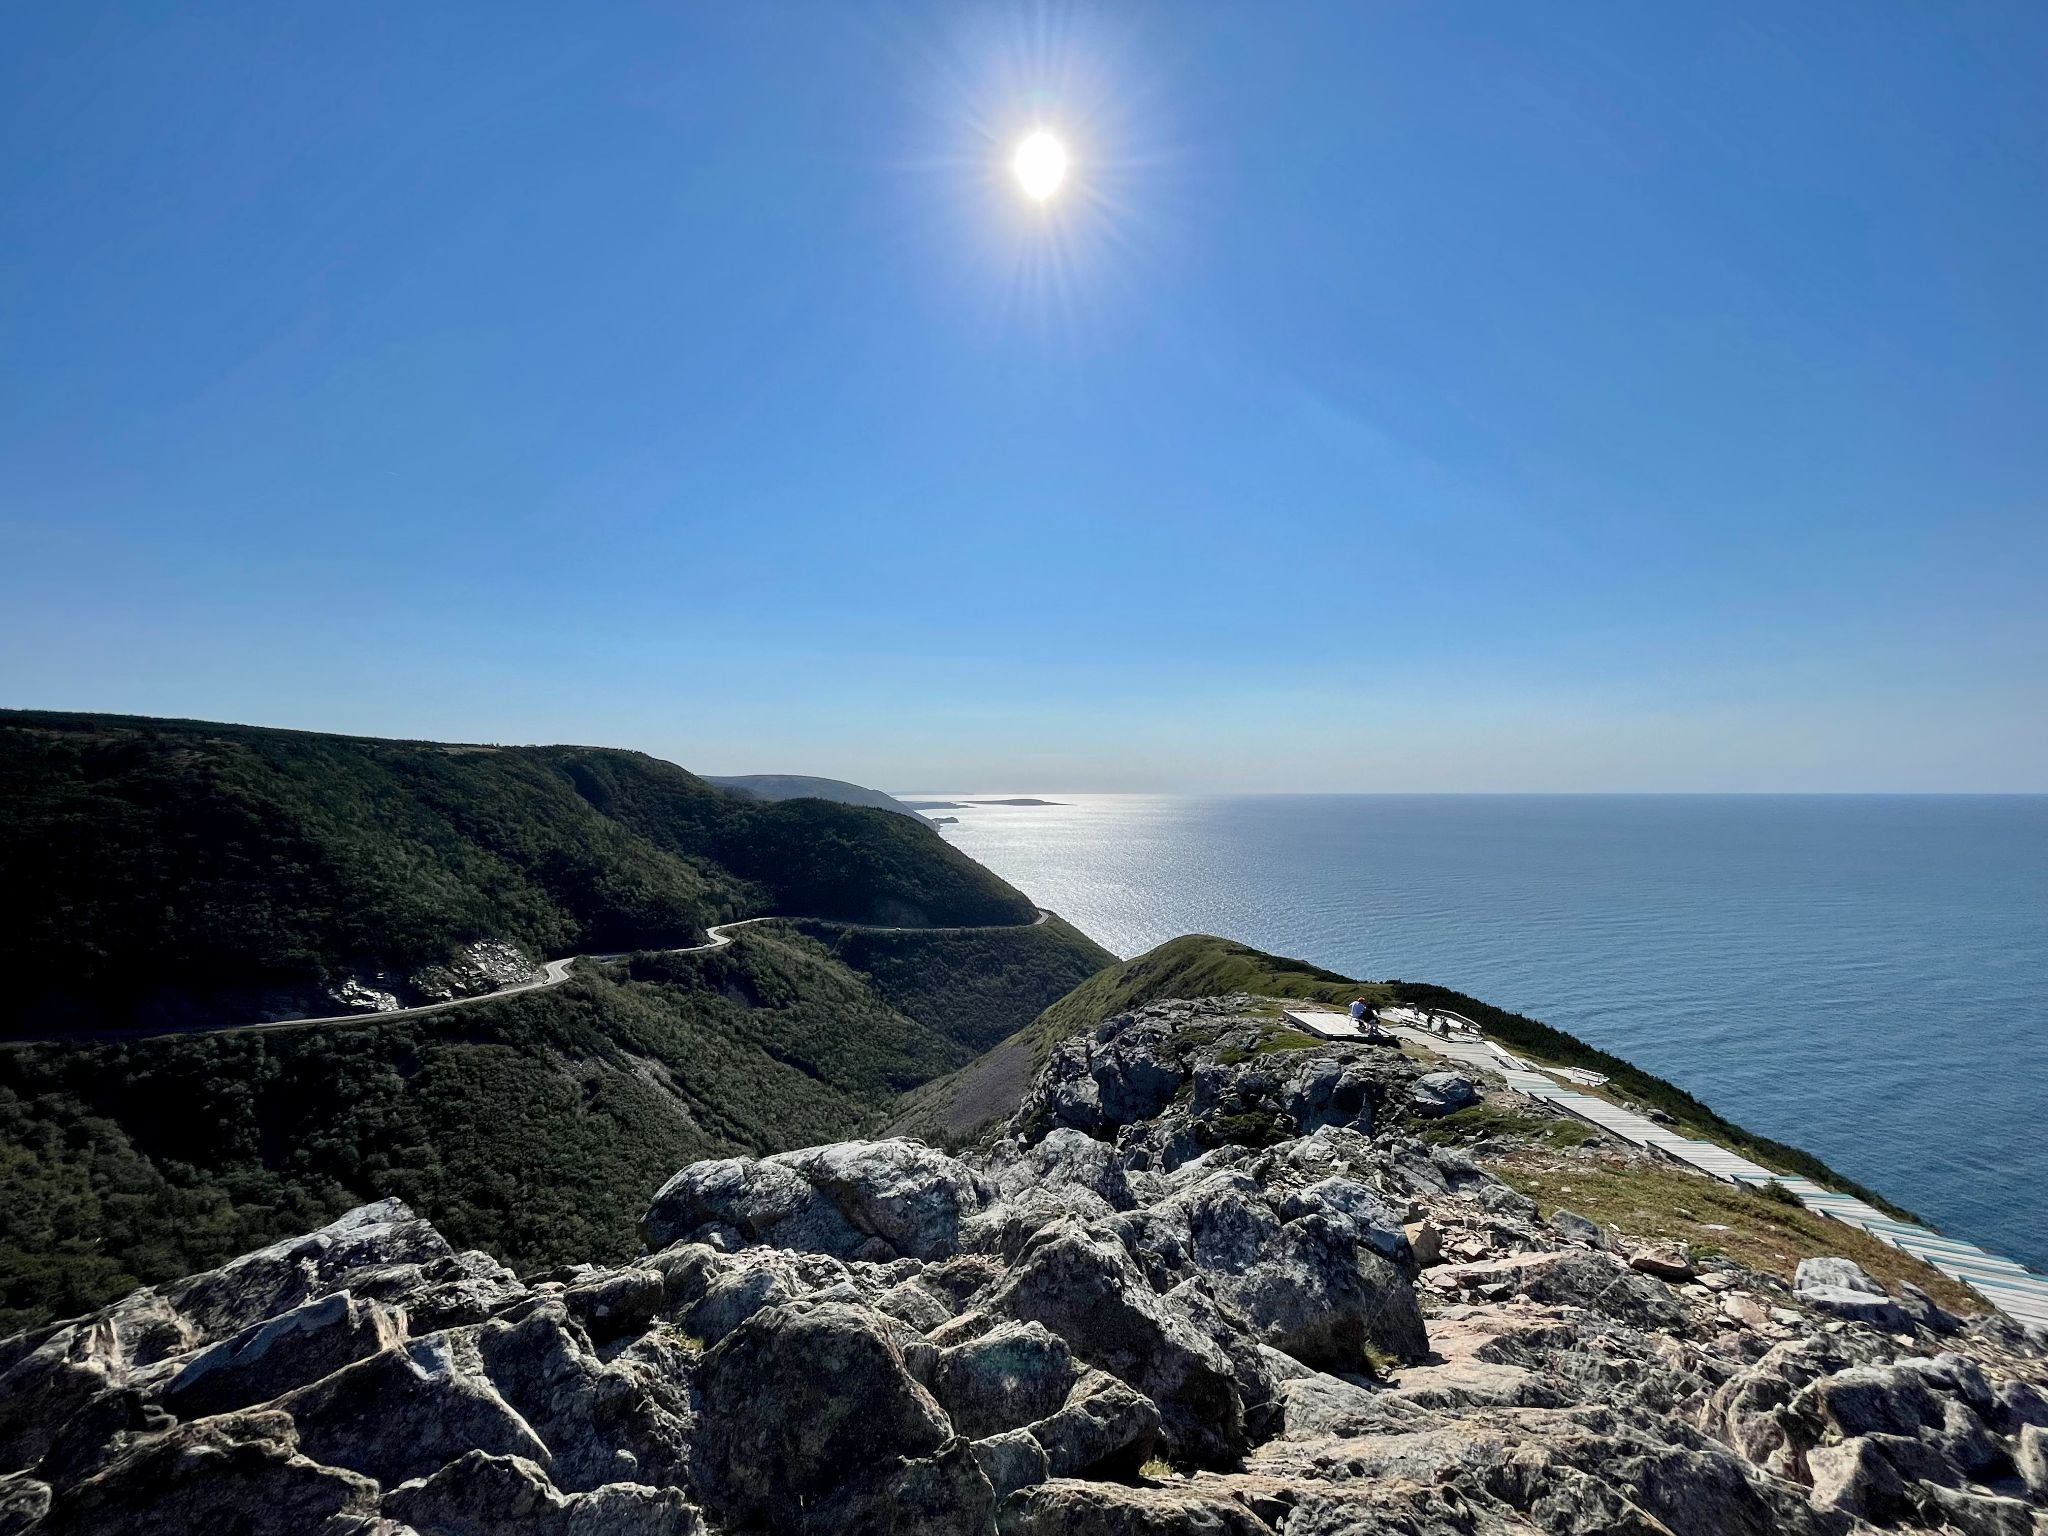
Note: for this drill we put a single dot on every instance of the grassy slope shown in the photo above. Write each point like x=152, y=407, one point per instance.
x=159, y=871
x=536, y=1127
x=1197, y=965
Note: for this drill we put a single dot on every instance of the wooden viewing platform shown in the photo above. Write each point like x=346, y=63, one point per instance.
x=2012, y=1288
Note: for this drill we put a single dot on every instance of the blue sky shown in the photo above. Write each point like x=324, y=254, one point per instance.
x=1593, y=396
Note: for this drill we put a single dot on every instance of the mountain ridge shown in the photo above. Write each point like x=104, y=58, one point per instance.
x=159, y=870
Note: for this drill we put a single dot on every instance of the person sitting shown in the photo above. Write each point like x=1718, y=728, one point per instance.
x=1358, y=1012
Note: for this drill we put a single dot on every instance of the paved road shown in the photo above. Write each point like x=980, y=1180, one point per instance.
x=553, y=974
x=2013, y=1289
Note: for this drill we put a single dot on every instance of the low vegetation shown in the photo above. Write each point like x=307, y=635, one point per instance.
x=1488, y=1120
x=1673, y=1205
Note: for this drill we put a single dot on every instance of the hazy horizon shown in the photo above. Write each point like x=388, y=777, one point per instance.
x=1605, y=399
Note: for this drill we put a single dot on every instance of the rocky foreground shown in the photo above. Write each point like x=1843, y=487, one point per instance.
x=1202, y=1285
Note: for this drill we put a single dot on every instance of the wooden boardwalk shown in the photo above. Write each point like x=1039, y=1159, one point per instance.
x=2012, y=1288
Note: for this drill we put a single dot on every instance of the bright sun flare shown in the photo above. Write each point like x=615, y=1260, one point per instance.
x=1040, y=165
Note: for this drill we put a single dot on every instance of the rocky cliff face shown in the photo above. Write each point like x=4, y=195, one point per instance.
x=1202, y=1285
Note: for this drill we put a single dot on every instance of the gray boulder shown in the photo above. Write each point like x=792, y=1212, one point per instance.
x=479, y=1494
x=1328, y=1092
x=1011, y=1460
x=1084, y=1287
x=1573, y=1227
x=1440, y=1093
x=811, y=1421
x=1836, y=1274
x=1103, y=1429
x=1067, y=1157
x=403, y=1413
x=239, y=1472
x=600, y=1422
x=1378, y=1225
x=854, y=1199
x=1870, y=1399
x=261, y=1285
x=1842, y=1288
x=1855, y=1478
x=1006, y=1378
x=268, y=1359
x=1125, y=1073
x=1307, y=1286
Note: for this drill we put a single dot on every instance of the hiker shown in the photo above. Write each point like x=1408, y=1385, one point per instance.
x=1358, y=1013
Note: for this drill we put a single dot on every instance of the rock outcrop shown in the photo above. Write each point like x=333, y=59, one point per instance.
x=1202, y=1283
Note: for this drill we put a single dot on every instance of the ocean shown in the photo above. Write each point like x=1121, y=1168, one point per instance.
x=1863, y=976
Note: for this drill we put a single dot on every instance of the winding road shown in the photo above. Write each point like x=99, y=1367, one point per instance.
x=553, y=974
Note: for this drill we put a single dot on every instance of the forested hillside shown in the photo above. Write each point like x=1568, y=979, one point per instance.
x=535, y=1126
x=166, y=872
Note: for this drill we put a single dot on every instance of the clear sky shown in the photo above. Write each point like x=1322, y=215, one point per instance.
x=1397, y=396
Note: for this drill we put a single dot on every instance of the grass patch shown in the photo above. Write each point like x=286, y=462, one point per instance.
x=1285, y=1040
x=1755, y=1229
x=1272, y=1042
x=1476, y=1122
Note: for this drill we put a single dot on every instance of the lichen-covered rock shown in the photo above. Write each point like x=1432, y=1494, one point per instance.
x=1003, y=1379
x=479, y=1494
x=1066, y=1508
x=1103, y=1429
x=261, y=1285
x=294, y=1348
x=239, y=1472
x=1440, y=1093
x=855, y=1199
x=1084, y=1287
x=405, y=1412
x=809, y=1409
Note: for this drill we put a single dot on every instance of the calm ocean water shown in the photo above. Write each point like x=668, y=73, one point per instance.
x=1865, y=976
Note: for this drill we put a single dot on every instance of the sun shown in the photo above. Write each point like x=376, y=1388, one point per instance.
x=1040, y=165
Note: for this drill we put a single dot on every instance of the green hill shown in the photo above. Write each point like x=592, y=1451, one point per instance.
x=167, y=872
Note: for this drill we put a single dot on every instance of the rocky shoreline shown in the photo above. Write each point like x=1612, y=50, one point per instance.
x=1214, y=1277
